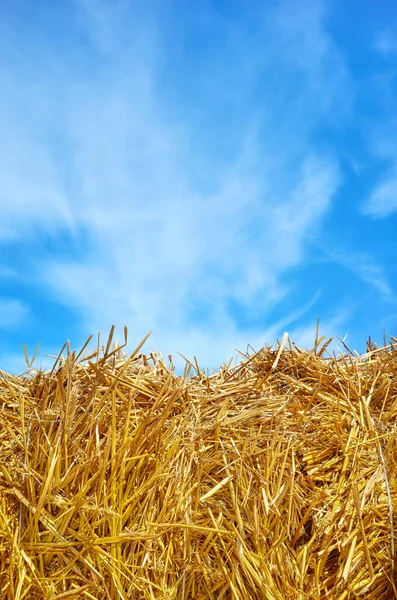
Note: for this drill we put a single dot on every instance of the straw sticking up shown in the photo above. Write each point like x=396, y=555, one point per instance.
x=274, y=479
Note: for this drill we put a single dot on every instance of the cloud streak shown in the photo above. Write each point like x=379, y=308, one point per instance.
x=167, y=225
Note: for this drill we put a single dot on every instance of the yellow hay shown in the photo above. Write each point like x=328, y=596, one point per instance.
x=275, y=479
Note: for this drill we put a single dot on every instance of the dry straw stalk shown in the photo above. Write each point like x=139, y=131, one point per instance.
x=274, y=479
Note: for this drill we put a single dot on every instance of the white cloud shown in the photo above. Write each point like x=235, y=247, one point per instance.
x=144, y=276
x=30, y=191
x=301, y=37
x=171, y=230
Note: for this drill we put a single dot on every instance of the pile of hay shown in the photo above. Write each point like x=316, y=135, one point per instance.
x=275, y=479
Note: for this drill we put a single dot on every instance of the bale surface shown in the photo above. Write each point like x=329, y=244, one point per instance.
x=274, y=480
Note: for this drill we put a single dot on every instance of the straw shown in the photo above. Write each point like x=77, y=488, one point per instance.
x=275, y=478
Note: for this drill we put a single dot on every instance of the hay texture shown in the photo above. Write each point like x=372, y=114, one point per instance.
x=274, y=479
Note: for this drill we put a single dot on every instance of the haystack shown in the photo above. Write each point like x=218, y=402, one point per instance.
x=275, y=479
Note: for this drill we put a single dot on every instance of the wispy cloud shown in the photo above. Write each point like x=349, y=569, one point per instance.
x=167, y=222
x=364, y=267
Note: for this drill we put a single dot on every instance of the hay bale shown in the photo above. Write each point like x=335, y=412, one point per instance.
x=275, y=479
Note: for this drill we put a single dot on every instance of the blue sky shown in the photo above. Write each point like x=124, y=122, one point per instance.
x=216, y=172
